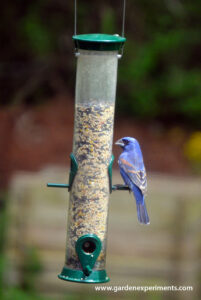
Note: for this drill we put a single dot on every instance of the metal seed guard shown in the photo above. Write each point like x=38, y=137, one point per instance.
x=90, y=179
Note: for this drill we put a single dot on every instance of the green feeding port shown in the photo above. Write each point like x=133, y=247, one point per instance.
x=88, y=248
x=99, y=42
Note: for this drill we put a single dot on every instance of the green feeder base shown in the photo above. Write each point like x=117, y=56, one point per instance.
x=96, y=276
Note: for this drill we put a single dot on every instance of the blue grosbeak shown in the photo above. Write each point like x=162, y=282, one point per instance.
x=133, y=172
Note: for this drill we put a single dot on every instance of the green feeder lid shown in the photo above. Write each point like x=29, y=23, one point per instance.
x=99, y=42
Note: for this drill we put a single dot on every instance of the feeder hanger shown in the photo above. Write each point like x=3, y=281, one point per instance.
x=90, y=178
x=117, y=35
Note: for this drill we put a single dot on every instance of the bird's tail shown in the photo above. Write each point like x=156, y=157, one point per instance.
x=142, y=214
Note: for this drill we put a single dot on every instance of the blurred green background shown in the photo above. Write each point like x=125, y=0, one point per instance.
x=158, y=101
x=159, y=76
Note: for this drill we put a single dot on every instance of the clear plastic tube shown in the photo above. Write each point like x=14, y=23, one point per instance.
x=92, y=146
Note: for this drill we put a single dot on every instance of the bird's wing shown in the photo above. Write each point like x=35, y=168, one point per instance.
x=138, y=177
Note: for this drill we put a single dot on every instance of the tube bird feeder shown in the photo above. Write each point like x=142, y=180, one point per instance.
x=90, y=180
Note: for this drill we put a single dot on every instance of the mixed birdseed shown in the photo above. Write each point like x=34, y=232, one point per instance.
x=88, y=208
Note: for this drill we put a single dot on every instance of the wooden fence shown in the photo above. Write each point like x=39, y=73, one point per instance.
x=167, y=252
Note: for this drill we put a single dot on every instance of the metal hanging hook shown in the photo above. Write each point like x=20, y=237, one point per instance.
x=123, y=28
x=123, y=25
x=123, y=17
x=75, y=17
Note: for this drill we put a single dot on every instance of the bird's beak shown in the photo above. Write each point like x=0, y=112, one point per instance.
x=120, y=143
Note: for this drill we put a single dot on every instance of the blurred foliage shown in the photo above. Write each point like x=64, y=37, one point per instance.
x=159, y=75
x=30, y=269
x=192, y=150
x=18, y=294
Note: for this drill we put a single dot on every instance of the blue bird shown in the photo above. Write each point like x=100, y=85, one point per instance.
x=133, y=172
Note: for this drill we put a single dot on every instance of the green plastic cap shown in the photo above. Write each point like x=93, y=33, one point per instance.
x=99, y=42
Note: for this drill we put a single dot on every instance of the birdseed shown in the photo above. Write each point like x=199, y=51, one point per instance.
x=88, y=207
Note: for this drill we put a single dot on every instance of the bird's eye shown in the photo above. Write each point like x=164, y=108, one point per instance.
x=126, y=142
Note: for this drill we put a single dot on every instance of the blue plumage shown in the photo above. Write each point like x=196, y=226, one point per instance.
x=133, y=172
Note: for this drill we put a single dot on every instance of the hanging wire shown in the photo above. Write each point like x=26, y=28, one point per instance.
x=124, y=17
x=75, y=18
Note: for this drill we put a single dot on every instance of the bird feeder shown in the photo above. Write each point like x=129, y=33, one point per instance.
x=90, y=180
